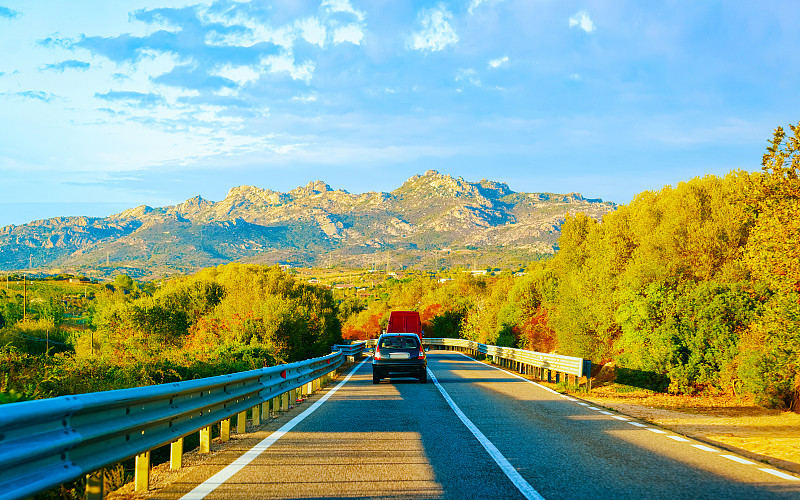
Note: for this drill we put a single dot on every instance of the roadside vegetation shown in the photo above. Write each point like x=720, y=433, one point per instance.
x=694, y=288
x=691, y=289
x=221, y=320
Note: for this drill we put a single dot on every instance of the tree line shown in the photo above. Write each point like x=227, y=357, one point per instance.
x=689, y=289
x=694, y=288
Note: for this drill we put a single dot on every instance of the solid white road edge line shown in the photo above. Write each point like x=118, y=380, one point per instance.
x=512, y=374
x=618, y=417
x=522, y=485
x=220, y=477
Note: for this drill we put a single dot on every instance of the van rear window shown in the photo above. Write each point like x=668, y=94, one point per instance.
x=399, y=342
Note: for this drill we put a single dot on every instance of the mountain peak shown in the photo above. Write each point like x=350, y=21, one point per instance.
x=133, y=213
x=310, y=189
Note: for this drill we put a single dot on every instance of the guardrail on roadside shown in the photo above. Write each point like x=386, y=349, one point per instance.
x=541, y=365
x=350, y=349
x=48, y=442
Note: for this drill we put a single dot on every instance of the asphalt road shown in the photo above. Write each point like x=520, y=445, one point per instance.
x=512, y=439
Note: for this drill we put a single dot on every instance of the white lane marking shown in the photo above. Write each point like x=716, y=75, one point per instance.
x=738, y=459
x=584, y=404
x=594, y=408
x=780, y=474
x=658, y=431
x=220, y=477
x=679, y=438
x=618, y=417
x=511, y=373
x=606, y=413
x=522, y=485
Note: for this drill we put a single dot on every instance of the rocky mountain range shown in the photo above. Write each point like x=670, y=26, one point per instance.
x=431, y=221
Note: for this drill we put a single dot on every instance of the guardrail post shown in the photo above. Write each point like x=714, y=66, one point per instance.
x=265, y=410
x=94, y=485
x=284, y=401
x=309, y=388
x=205, y=439
x=276, y=404
x=257, y=415
x=176, y=454
x=225, y=430
x=241, y=422
x=142, y=473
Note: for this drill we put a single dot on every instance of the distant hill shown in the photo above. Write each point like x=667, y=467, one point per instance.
x=431, y=221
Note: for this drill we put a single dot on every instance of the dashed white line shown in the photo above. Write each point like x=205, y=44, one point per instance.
x=679, y=438
x=522, y=485
x=657, y=431
x=780, y=474
x=738, y=459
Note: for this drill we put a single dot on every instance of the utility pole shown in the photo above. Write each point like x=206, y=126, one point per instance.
x=24, y=299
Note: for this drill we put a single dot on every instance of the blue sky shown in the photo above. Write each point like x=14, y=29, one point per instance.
x=109, y=105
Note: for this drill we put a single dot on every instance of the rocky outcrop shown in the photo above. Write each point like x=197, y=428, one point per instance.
x=426, y=214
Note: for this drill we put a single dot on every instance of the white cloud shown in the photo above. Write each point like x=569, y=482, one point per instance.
x=583, y=21
x=474, y=4
x=437, y=31
x=305, y=98
x=312, y=31
x=496, y=63
x=341, y=6
x=351, y=33
x=469, y=76
x=239, y=74
x=285, y=62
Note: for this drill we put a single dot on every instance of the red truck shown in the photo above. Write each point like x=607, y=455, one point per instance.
x=404, y=322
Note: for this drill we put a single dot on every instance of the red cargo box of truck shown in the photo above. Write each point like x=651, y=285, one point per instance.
x=404, y=322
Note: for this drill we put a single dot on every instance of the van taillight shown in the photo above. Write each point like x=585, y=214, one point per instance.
x=421, y=353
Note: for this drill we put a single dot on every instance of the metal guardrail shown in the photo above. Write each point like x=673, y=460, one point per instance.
x=542, y=362
x=350, y=349
x=557, y=363
x=48, y=442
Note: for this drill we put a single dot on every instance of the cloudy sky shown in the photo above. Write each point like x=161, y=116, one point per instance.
x=108, y=105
